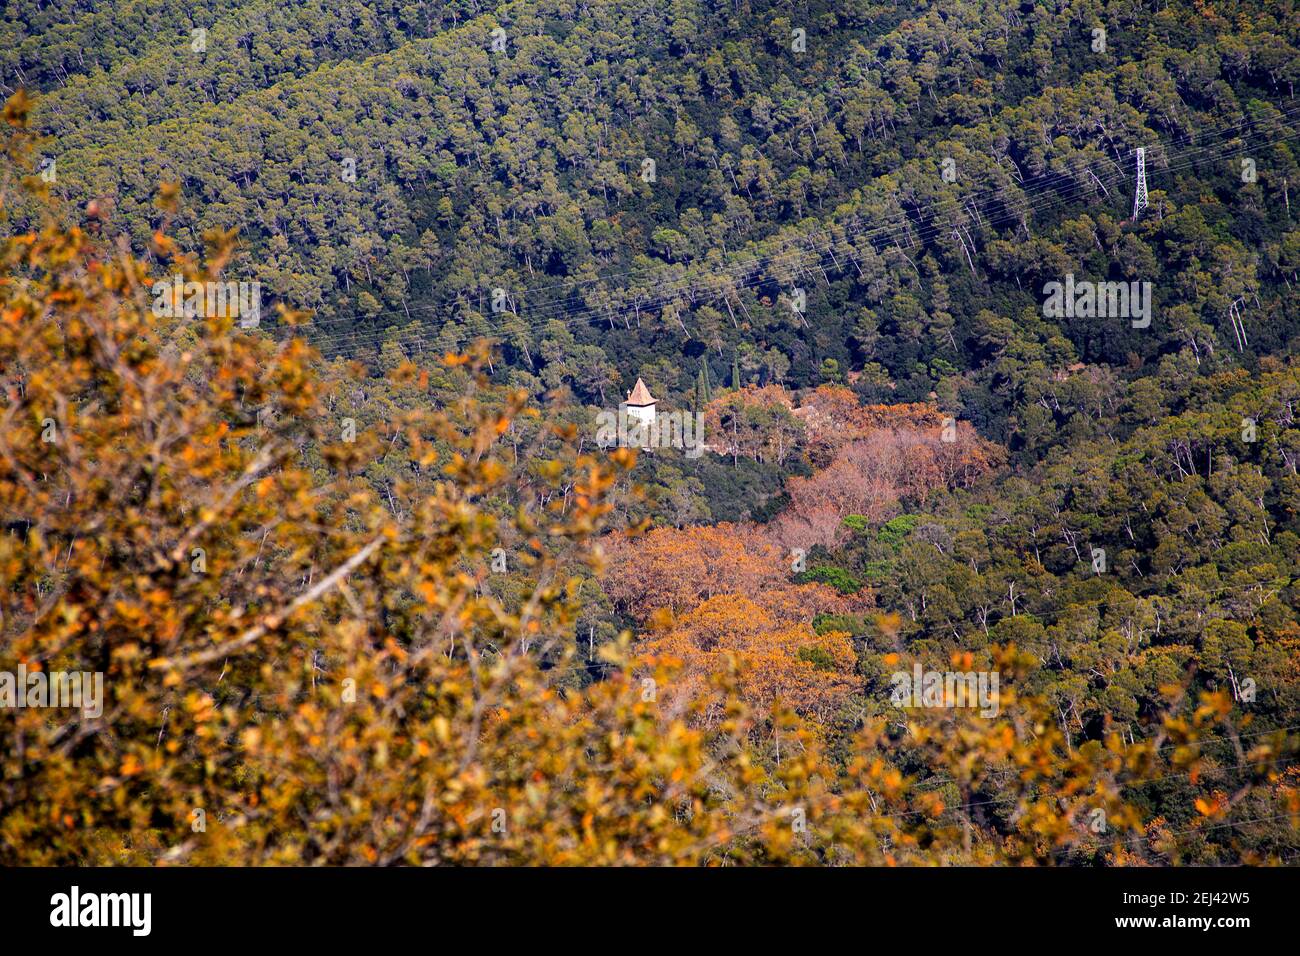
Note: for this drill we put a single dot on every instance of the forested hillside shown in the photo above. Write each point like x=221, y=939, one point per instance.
x=831, y=230
x=522, y=170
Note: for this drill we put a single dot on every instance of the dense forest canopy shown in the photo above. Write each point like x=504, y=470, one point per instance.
x=832, y=231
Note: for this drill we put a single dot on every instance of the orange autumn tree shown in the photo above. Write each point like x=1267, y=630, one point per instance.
x=776, y=660
x=722, y=596
x=675, y=569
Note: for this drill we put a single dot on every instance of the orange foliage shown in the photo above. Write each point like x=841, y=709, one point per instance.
x=677, y=569
x=708, y=593
x=811, y=673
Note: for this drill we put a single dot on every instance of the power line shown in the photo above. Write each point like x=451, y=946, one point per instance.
x=1233, y=125
x=688, y=286
x=357, y=339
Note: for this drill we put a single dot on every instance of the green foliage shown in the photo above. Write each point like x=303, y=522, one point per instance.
x=838, y=578
x=854, y=624
x=894, y=532
x=856, y=522
x=818, y=657
x=518, y=170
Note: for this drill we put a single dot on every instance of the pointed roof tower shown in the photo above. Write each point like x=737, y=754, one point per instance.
x=640, y=395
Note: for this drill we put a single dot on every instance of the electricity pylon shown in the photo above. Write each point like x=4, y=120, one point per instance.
x=1140, y=198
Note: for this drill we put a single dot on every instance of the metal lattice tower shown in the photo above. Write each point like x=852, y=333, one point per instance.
x=1140, y=197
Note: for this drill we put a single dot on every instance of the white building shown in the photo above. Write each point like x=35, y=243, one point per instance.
x=639, y=410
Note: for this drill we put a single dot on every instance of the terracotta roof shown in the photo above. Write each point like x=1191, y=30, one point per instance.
x=640, y=395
